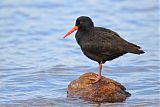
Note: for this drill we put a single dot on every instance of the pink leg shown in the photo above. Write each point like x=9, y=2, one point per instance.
x=99, y=74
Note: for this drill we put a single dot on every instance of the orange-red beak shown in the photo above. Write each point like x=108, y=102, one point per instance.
x=71, y=31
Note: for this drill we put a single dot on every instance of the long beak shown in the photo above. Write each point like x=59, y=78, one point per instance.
x=71, y=31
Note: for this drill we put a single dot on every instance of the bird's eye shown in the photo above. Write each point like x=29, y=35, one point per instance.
x=81, y=22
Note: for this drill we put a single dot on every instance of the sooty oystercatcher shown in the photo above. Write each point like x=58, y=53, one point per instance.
x=101, y=44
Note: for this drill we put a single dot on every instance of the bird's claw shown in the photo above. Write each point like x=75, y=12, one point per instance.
x=96, y=79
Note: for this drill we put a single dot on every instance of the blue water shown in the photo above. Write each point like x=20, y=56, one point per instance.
x=37, y=64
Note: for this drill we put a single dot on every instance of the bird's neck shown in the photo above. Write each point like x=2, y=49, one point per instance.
x=83, y=35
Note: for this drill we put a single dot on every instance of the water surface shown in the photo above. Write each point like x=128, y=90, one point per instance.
x=37, y=64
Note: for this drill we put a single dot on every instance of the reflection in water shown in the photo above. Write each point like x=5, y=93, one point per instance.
x=36, y=63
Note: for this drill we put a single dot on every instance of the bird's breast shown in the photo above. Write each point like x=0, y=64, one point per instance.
x=83, y=38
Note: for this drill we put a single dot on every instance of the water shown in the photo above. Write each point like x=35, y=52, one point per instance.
x=37, y=64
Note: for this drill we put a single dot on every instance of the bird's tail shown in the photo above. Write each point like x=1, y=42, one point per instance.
x=135, y=49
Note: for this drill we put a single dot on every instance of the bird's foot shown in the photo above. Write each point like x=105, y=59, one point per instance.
x=95, y=79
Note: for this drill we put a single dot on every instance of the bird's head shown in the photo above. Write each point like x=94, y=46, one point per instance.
x=82, y=23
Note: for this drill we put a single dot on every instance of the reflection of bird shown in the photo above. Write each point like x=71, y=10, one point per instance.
x=100, y=44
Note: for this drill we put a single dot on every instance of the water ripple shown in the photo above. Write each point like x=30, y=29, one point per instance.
x=36, y=63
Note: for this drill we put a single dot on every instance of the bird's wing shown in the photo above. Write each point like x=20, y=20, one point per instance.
x=106, y=42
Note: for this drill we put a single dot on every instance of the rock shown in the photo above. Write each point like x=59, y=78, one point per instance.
x=106, y=90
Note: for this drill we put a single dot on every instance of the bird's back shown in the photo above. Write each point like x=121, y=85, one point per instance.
x=102, y=44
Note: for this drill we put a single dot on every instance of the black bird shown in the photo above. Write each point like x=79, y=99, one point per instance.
x=101, y=44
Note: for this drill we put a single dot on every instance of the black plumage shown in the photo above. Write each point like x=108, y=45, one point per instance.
x=101, y=44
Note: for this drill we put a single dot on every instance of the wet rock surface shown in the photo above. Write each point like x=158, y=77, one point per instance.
x=106, y=90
